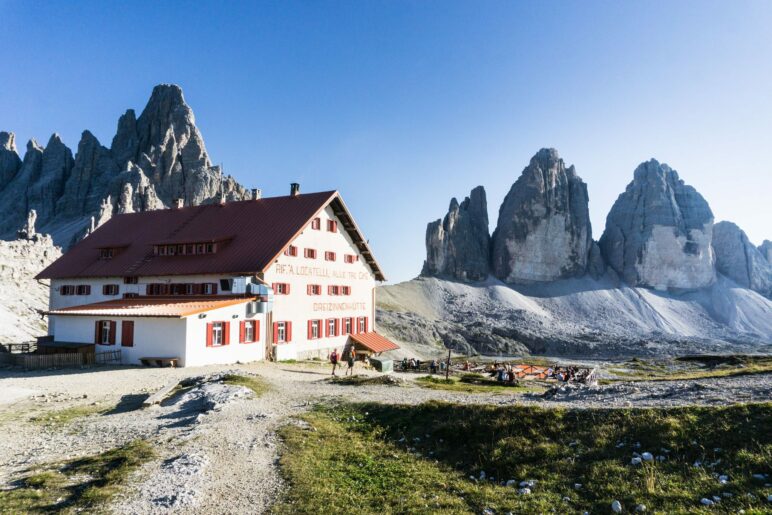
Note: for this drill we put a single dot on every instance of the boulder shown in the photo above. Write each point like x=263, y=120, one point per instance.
x=543, y=231
x=458, y=246
x=658, y=232
x=740, y=260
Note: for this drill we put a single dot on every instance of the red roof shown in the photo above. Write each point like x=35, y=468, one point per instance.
x=374, y=341
x=173, y=307
x=253, y=233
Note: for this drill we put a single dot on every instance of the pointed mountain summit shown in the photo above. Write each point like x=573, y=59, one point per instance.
x=153, y=160
x=543, y=231
x=658, y=232
x=458, y=246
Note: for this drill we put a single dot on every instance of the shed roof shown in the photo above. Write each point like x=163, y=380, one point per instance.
x=168, y=307
x=374, y=341
x=251, y=233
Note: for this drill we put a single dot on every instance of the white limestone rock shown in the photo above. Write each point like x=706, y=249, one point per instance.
x=543, y=231
x=739, y=260
x=458, y=246
x=658, y=233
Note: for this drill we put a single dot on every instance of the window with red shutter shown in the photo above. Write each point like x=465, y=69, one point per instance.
x=127, y=333
x=316, y=224
x=332, y=226
x=289, y=331
x=309, y=253
x=110, y=289
x=329, y=256
x=210, y=334
x=291, y=251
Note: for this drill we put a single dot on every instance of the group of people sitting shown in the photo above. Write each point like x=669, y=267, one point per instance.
x=503, y=372
x=414, y=364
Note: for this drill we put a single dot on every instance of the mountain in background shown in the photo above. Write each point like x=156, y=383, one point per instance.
x=661, y=279
x=152, y=160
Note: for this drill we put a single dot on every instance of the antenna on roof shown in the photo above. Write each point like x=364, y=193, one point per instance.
x=222, y=195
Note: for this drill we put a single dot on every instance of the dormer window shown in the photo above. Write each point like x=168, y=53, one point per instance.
x=185, y=249
x=106, y=253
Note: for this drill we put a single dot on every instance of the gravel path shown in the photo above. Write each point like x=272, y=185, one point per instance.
x=216, y=444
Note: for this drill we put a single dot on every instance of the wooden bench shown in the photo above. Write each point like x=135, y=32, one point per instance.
x=159, y=362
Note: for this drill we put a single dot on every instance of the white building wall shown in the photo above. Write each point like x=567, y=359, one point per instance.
x=197, y=353
x=153, y=337
x=299, y=307
x=182, y=338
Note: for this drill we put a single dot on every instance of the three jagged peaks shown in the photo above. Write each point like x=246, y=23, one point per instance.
x=659, y=234
x=152, y=160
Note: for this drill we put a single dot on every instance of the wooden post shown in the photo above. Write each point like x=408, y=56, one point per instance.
x=447, y=367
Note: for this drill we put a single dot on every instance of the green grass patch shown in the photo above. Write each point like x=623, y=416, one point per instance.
x=367, y=458
x=692, y=367
x=364, y=380
x=473, y=383
x=84, y=484
x=254, y=383
x=65, y=416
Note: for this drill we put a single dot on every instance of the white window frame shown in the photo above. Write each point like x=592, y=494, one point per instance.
x=249, y=331
x=218, y=334
x=104, y=332
x=361, y=321
x=281, y=332
x=349, y=325
x=331, y=326
x=316, y=329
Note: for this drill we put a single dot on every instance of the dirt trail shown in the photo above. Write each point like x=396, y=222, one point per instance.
x=222, y=459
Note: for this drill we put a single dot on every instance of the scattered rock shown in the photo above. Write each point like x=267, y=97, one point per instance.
x=616, y=507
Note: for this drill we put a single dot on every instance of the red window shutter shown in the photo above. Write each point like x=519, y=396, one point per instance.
x=242, y=331
x=308, y=289
x=214, y=288
x=366, y=324
x=287, y=288
x=112, y=332
x=209, y=334
x=276, y=332
x=256, y=337
x=226, y=333
x=127, y=333
x=326, y=327
x=196, y=289
x=96, y=331
x=310, y=329
x=288, y=330
x=337, y=327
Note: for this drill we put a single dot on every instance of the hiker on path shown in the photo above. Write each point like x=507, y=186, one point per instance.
x=334, y=360
x=350, y=359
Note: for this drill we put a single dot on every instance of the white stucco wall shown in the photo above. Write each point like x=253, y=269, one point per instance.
x=299, y=307
x=153, y=337
x=182, y=338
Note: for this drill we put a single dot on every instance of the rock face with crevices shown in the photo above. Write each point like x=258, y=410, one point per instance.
x=738, y=259
x=766, y=250
x=458, y=246
x=543, y=231
x=152, y=160
x=658, y=233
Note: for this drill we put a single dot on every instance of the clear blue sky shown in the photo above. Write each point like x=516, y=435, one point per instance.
x=402, y=105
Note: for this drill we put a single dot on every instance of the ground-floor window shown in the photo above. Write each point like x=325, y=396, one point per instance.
x=217, y=334
x=104, y=333
x=250, y=330
x=314, y=329
x=332, y=327
x=362, y=321
x=282, y=332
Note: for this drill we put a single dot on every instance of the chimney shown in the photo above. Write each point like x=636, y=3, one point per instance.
x=294, y=189
x=178, y=203
x=256, y=194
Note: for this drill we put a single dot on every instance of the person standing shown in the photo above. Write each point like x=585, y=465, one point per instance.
x=351, y=359
x=334, y=360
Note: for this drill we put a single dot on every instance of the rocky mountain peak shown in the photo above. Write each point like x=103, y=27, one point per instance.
x=10, y=162
x=766, y=250
x=740, y=260
x=658, y=232
x=543, y=231
x=458, y=246
x=161, y=156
